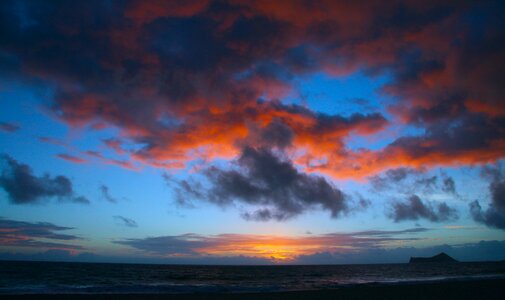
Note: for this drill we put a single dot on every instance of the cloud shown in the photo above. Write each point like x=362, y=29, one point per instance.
x=391, y=177
x=35, y=235
x=263, y=215
x=481, y=251
x=272, y=183
x=53, y=141
x=464, y=140
x=81, y=200
x=8, y=127
x=266, y=246
x=106, y=195
x=409, y=180
x=125, y=221
x=449, y=186
x=194, y=81
x=110, y=161
x=71, y=158
x=209, y=97
x=275, y=134
x=169, y=245
x=23, y=187
x=114, y=144
x=415, y=209
x=428, y=183
x=494, y=216
x=72, y=256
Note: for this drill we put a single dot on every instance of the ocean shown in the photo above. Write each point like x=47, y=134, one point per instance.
x=101, y=278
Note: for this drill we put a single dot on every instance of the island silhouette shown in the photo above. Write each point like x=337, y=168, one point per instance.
x=439, y=258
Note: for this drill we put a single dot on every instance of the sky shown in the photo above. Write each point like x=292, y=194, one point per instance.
x=252, y=132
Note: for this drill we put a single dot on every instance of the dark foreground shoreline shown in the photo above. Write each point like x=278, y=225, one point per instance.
x=472, y=289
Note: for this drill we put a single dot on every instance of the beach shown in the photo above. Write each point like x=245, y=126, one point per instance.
x=463, y=289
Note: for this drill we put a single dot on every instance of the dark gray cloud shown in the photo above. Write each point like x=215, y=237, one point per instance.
x=23, y=187
x=494, y=216
x=81, y=200
x=497, y=189
x=8, y=127
x=391, y=177
x=125, y=221
x=275, y=134
x=410, y=180
x=265, y=180
x=362, y=203
x=390, y=232
x=414, y=209
x=106, y=194
x=428, y=183
x=448, y=185
x=264, y=214
x=182, y=244
x=493, y=173
x=36, y=235
x=185, y=190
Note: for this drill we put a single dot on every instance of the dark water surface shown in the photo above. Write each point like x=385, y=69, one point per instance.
x=51, y=277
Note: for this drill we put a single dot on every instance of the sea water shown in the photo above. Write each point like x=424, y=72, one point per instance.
x=62, y=277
